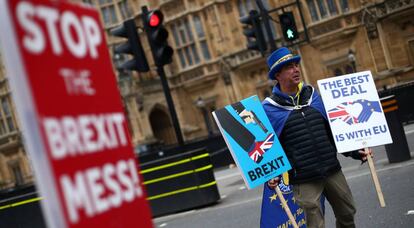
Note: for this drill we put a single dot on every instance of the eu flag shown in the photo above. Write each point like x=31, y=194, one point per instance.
x=273, y=215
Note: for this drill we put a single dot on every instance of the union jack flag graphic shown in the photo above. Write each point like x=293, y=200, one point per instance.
x=339, y=112
x=256, y=154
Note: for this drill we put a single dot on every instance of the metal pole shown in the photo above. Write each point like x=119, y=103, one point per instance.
x=170, y=103
x=305, y=30
x=164, y=82
x=265, y=19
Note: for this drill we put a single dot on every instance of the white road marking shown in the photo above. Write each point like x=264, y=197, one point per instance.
x=228, y=176
x=410, y=212
x=409, y=132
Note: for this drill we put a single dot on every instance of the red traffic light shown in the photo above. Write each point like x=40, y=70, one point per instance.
x=155, y=18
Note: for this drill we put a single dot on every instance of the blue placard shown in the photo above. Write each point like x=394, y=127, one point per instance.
x=252, y=141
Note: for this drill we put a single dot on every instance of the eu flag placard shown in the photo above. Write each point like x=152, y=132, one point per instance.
x=273, y=215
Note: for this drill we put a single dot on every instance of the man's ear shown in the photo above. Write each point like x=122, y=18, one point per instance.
x=276, y=75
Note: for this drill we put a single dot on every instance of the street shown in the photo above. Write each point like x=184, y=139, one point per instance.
x=240, y=207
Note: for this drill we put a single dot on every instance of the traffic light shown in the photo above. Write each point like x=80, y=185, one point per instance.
x=253, y=31
x=157, y=37
x=132, y=46
x=287, y=21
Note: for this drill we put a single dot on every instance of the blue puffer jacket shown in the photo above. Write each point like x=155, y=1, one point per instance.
x=303, y=130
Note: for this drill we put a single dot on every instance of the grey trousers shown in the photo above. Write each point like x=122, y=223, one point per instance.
x=337, y=192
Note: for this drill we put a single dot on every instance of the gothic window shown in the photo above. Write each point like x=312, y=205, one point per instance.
x=204, y=48
x=333, y=10
x=320, y=9
x=17, y=173
x=201, y=37
x=198, y=27
x=123, y=6
x=109, y=15
x=7, y=123
x=312, y=10
x=108, y=12
x=411, y=50
x=344, y=5
x=187, y=44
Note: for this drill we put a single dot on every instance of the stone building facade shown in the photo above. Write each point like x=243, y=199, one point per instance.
x=212, y=68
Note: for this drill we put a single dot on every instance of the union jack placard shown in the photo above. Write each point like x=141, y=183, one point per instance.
x=251, y=141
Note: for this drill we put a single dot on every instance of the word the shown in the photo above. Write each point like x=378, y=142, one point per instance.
x=77, y=82
x=361, y=133
x=347, y=86
x=265, y=169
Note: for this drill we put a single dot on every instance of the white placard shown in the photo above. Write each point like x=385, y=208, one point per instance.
x=354, y=111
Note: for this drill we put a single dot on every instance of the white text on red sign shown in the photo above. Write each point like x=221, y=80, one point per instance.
x=59, y=27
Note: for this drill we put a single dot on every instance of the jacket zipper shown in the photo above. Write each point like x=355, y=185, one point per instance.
x=313, y=138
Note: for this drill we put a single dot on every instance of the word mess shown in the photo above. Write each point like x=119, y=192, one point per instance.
x=376, y=130
x=347, y=86
x=98, y=189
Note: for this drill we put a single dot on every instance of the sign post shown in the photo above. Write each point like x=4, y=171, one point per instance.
x=71, y=115
x=286, y=208
x=355, y=115
x=375, y=179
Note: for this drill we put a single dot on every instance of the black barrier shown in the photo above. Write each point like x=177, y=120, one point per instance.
x=398, y=150
x=219, y=154
x=404, y=94
x=180, y=182
x=21, y=208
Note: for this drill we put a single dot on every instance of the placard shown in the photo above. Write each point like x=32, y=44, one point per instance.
x=71, y=115
x=354, y=111
x=252, y=141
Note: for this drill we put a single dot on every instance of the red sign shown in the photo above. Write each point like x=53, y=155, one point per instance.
x=72, y=117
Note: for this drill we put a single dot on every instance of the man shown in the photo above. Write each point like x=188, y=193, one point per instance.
x=298, y=117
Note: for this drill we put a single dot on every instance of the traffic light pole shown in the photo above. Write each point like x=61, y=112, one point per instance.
x=160, y=62
x=170, y=103
x=265, y=18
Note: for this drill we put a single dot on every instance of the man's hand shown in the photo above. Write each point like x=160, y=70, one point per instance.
x=273, y=183
x=364, y=154
x=247, y=116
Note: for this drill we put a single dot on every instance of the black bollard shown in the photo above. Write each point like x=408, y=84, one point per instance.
x=397, y=151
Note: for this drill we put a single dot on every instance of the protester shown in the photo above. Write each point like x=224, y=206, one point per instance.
x=298, y=117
